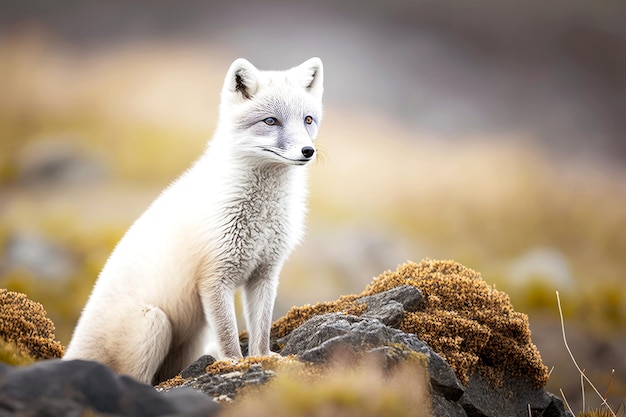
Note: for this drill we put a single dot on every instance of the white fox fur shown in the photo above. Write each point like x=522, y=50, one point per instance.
x=231, y=220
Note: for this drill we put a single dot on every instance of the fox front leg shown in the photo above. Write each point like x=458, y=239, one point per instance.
x=259, y=294
x=219, y=309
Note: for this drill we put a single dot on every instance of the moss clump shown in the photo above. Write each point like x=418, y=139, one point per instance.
x=470, y=324
x=23, y=323
x=222, y=367
x=296, y=316
x=226, y=367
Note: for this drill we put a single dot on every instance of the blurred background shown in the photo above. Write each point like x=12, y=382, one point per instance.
x=491, y=133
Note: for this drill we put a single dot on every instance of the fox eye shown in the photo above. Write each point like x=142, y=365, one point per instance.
x=308, y=120
x=270, y=121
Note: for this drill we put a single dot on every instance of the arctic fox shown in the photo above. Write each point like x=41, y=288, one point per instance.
x=231, y=220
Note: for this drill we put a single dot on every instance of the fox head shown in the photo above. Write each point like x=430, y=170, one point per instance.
x=273, y=115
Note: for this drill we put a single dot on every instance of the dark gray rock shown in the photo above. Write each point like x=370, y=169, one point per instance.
x=319, y=338
x=69, y=388
x=511, y=399
x=308, y=339
x=226, y=386
x=324, y=335
x=443, y=407
x=443, y=380
x=198, y=367
x=47, y=407
x=389, y=306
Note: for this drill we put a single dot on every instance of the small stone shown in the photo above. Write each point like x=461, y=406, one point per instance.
x=389, y=306
x=227, y=385
x=198, y=367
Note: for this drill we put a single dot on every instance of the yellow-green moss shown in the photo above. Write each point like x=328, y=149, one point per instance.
x=12, y=355
x=268, y=362
x=365, y=390
x=489, y=336
x=601, y=412
x=24, y=324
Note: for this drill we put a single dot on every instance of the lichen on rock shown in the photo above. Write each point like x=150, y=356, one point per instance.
x=23, y=323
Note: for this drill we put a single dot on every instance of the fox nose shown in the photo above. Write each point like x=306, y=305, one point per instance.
x=308, y=151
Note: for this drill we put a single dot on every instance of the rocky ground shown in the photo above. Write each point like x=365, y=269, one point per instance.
x=480, y=362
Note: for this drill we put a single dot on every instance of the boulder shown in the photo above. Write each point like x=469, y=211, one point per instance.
x=222, y=386
x=389, y=306
x=197, y=368
x=76, y=388
x=322, y=336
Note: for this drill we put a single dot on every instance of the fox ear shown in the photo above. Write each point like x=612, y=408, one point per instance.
x=311, y=76
x=242, y=78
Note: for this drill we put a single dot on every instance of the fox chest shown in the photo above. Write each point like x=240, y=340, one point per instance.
x=260, y=230
x=257, y=232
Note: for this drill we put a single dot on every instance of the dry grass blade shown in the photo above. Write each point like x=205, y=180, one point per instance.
x=582, y=373
x=565, y=401
x=610, y=387
x=582, y=389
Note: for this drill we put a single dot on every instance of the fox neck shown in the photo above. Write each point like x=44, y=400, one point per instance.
x=257, y=195
x=250, y=173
